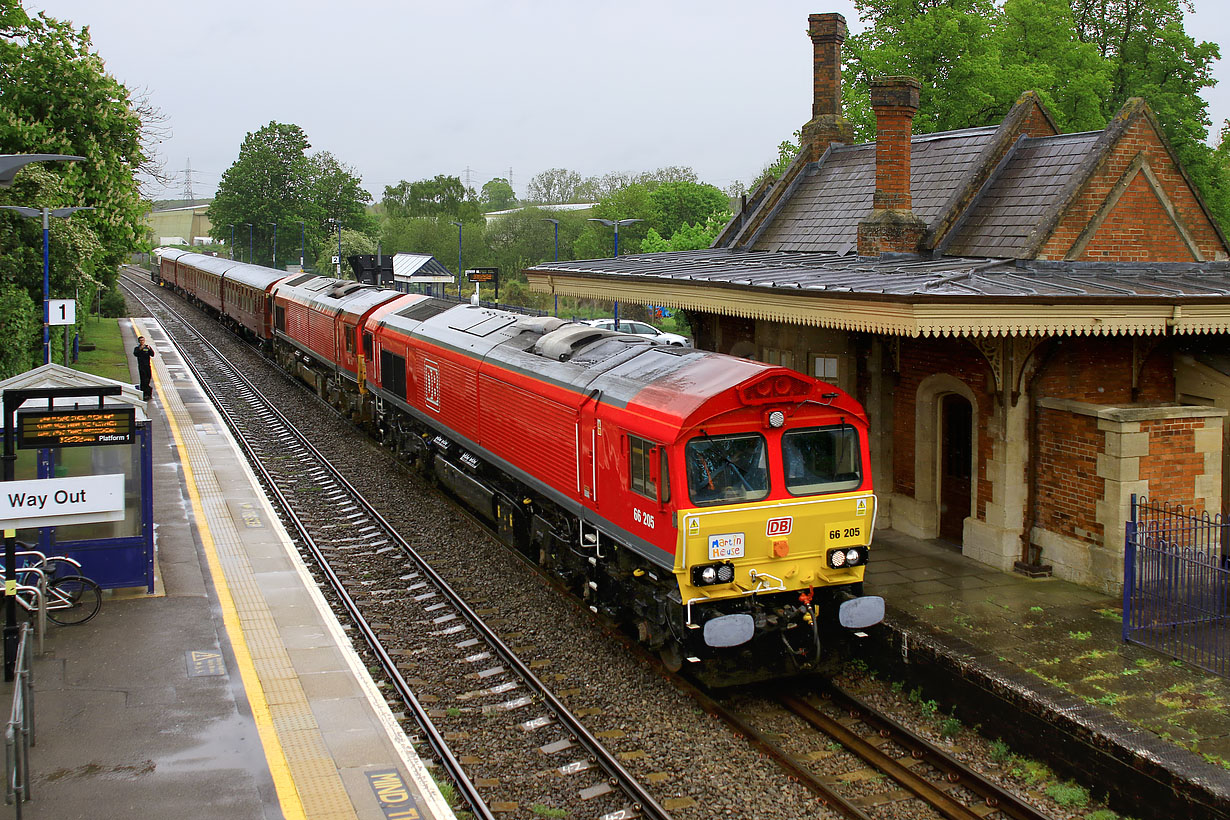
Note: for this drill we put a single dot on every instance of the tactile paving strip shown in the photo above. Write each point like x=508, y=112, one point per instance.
x=314, y=773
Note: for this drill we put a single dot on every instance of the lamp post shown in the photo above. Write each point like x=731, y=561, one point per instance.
x=46, y=214
x=10, y=164
x=249, y=224
x=615, y=223
x=339, y=247
x=555, y=222
x=302, y=233
x=275, y=244
x=232, y=241
x=458, y=224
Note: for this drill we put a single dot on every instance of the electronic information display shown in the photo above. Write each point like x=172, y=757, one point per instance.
x=76, y=428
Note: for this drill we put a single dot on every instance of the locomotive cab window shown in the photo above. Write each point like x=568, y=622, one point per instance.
x=727, y=469
x=641, y=454
x=348, y=332
x=822, y=460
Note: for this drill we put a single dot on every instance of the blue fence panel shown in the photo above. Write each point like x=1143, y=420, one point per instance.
x=1176, y=585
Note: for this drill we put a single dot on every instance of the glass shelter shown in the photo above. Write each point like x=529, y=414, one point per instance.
x=61, y=437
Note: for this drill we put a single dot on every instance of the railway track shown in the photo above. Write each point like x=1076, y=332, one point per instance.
x=513, y=747
x=861, y=762
x=881, y=770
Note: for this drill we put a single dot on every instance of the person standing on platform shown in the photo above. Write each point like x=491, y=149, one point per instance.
x=145, y=357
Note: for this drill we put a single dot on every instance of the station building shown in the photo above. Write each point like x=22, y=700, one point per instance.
x=1036, y=322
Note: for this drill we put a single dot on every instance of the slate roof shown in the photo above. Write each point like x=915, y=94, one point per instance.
x=834, y=195
x=1013, y=202
x=917, y=278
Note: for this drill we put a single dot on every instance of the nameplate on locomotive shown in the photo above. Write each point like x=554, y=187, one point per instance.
x=726, y=545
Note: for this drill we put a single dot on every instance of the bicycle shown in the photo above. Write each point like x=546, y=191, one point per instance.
x=69, y=598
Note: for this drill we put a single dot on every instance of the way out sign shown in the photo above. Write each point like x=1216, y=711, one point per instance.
x=47, y=502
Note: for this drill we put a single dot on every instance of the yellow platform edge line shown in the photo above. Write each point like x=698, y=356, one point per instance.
x=279, y=769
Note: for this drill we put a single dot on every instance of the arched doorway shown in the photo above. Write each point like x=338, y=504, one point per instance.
x=956, y=467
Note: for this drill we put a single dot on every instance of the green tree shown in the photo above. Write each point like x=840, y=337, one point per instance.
x=556, y=186
x=440, y=196
x=787, y=150
x=23, y=325
x=1150, y=55
x=354, y=243
x=335, y=191
x=675, y=204
x=266, y=184
x=76, y=262
x=663, y=207
x=498, y=195
x=686, y=238
x=275, y=181
x=56, y=97
x=946, y=44
x=1084, y=57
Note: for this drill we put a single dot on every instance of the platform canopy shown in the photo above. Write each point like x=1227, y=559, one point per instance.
x=58, y=376
x=416, y=268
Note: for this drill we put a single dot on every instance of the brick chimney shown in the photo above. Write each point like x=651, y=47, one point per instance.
x=827, y=125
x=892, y=227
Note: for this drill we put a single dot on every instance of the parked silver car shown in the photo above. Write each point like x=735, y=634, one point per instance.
x=642, y=329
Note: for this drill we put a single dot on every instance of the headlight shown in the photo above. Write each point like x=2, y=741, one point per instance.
x=847, y=557
x=710, y=574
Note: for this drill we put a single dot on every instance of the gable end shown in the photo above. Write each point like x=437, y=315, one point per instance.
x=1139, y=167
x=1133, y=131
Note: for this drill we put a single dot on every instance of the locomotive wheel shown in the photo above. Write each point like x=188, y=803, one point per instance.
x=671, y=654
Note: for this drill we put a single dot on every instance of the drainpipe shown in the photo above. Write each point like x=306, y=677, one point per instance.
x=1030, y=562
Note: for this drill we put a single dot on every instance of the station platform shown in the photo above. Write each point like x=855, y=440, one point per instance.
x=1041, y=663
x=231, y=691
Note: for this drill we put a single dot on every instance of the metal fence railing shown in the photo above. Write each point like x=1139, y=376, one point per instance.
x=1176, y=584
x=19, y=734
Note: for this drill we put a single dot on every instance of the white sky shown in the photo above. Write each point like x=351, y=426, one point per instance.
x=407, y=89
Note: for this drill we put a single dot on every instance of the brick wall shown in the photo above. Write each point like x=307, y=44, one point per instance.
x=1097, y=371
x=921, y=358
x=1137, y=229
x=1069, y=486
x=1173, y=462
x=1036, y=125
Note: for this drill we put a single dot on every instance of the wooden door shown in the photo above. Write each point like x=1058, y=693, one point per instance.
x=956, y=465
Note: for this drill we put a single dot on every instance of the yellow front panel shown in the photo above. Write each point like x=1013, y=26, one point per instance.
x=788, y=540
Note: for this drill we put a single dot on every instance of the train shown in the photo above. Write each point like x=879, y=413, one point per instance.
x=719, y=509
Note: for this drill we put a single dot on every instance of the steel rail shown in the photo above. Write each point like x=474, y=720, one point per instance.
x=992, y=794
x=465, y=787
x=644, y=801
x=921, y=787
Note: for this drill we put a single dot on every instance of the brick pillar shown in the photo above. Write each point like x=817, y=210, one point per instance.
x=892, y=227
x=827, y=126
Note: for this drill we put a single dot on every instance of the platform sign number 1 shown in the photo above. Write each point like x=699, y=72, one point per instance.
x=62, y=311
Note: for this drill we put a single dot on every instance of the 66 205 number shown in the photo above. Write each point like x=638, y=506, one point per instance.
x=844, y=534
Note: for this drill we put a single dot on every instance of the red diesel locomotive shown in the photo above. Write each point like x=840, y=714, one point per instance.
x=720, y=508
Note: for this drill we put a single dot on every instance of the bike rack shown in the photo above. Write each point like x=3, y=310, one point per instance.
x=19, y=734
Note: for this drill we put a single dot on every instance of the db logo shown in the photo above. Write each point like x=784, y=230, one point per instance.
x=779, y=526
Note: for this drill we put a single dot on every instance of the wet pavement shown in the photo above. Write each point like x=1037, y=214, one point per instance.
x=1054, y=651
